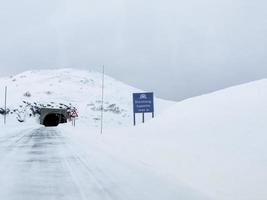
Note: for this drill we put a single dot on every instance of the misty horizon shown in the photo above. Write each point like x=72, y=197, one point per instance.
x=176, y=49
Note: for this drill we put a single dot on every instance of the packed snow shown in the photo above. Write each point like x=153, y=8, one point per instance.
x=208, y=147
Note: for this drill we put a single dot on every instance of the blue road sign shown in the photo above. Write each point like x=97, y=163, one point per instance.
x=143, y=102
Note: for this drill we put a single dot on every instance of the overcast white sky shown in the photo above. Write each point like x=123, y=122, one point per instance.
x=176, y=48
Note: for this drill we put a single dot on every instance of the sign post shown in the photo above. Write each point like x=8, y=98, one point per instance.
x=102, y=102
x=5, y=105
x=73, y=115
x=134, y=119
x=143, y=103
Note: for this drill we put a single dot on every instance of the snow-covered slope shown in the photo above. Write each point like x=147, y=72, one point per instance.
x=82, y=89
x=215, y=144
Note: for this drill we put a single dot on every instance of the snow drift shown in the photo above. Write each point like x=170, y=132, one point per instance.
x=215, y=143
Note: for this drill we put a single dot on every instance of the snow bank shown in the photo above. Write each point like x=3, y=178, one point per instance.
x=215, y=144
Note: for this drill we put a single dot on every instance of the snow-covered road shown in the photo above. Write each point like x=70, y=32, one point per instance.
x=45, y=164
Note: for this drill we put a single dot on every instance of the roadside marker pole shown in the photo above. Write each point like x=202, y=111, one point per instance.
x=5, y=105
x=134, y=118
x=102, y=106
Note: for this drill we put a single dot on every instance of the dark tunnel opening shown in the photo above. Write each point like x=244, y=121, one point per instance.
x=54, y=120
x=62, y=119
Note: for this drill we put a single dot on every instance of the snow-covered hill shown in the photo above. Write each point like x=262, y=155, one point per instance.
x=81, y=89
x=209, y=147
x=215, y=144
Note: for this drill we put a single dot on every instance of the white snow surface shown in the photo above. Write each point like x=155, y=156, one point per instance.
x=81, y=88
x=215, y=144
x=207, y=147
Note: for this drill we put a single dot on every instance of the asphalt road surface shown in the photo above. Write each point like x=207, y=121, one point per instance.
x=44, y=164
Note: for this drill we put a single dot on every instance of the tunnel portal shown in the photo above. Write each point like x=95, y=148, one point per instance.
x=53, y=117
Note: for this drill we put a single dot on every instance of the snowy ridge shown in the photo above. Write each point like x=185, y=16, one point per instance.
x=78, y=88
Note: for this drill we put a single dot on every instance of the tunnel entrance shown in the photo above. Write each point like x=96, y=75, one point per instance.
x=51, y=120
x=53, y=117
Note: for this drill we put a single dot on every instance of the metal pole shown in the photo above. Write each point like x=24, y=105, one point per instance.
x=134, y=118
x=5, y=105
x=143, y=118
x=102, y=106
